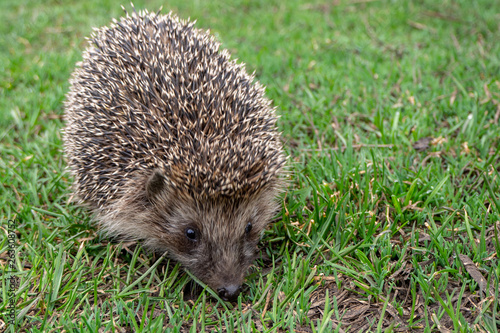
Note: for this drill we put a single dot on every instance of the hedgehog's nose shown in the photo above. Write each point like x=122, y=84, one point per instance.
x=229, y=293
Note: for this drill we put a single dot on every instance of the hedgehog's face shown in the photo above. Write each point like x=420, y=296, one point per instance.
x=216, y=239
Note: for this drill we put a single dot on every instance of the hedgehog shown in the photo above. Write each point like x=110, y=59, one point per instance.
x=171, y=143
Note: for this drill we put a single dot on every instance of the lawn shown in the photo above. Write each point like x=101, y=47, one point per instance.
x=390, y=114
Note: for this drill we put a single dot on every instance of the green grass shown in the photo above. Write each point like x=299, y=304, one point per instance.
x=373, y=236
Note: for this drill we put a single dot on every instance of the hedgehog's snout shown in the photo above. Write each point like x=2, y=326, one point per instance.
x=229, y=292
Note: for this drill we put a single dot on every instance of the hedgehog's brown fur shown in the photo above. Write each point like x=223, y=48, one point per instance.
x=165, y=133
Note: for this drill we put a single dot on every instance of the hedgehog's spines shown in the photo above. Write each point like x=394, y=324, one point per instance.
x=159, y=10
x=133, y=8
x=155, y=102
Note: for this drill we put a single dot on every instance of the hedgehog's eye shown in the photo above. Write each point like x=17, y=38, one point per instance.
x=248, y=228
x=191, y=234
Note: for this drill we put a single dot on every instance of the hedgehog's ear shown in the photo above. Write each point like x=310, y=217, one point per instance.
x=155, y=184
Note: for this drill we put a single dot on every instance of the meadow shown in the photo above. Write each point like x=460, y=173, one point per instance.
x=390, y=114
